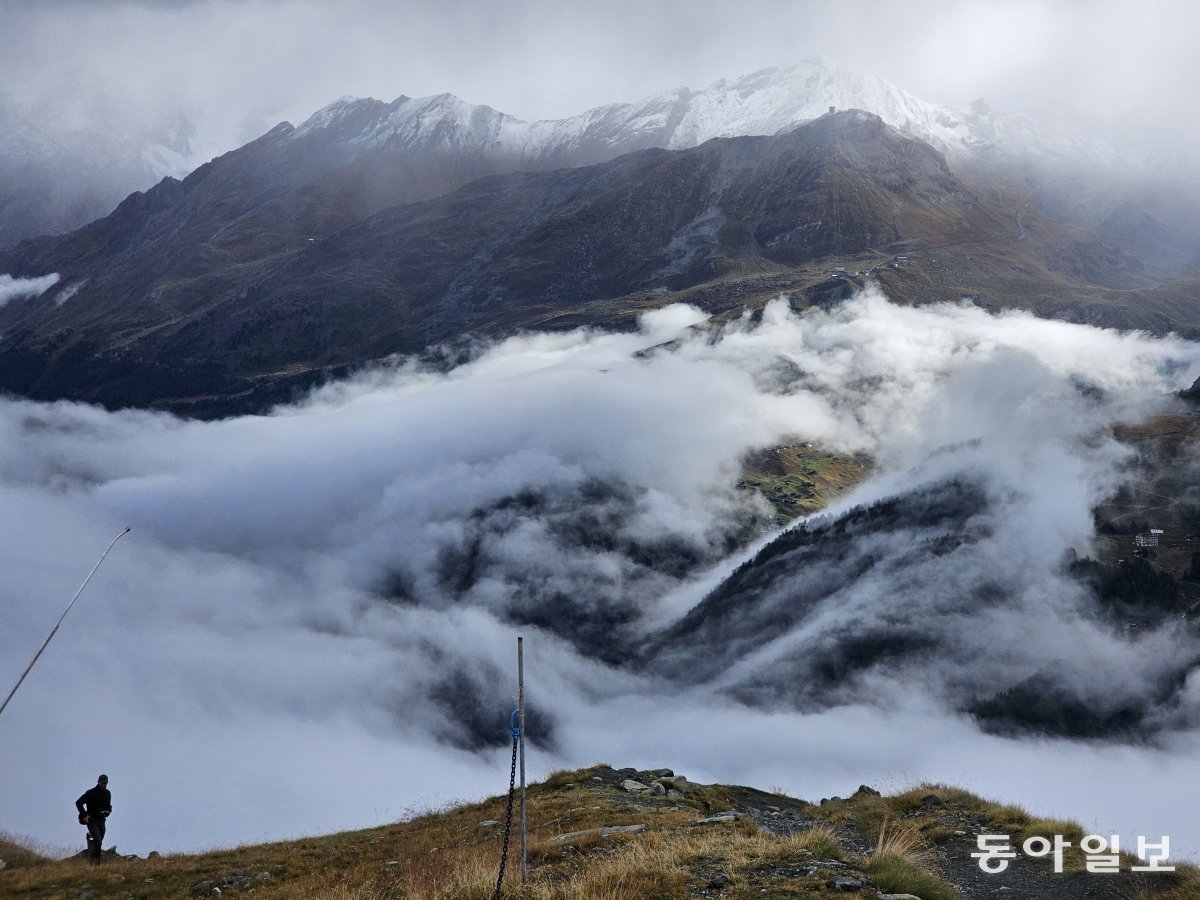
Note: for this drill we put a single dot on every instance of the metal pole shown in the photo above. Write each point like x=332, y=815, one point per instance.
x=521, y=718
x=54, y=630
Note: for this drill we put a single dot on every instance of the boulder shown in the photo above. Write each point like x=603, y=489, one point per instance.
x=674, y=783
x=635, y=787
x=657, y=789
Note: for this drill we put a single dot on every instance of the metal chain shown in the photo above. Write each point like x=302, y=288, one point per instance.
x=512, y=783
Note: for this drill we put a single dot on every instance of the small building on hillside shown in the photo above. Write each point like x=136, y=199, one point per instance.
x=1148, y=538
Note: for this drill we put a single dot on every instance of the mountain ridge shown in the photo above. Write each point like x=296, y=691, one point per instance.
x=763, y=102
x=216, y=276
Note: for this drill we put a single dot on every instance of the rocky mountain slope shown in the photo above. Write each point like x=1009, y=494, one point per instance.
x=830, y=606
x=57, y=181
x=280, y=260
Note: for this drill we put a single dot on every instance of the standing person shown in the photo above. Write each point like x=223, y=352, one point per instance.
x=94, y=807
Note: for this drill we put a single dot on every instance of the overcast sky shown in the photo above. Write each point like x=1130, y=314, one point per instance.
x=245, y=64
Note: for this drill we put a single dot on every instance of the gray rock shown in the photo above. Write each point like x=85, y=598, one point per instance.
x=657, y=789
x=634, y=786
x=864, y=791
x=845, y=883
x=931, y=800
x=572, y=836
x=674, y=783
x=662, y=773
x=719, y=819
x=153, y=854
x=719, y=881
x=214, y=885
x=674, y=795
x=488, y=823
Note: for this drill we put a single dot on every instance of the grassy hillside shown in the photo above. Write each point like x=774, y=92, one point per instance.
x=766, y=845
x=800, y=479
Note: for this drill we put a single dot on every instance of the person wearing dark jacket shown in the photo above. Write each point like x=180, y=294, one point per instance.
x=94, y=807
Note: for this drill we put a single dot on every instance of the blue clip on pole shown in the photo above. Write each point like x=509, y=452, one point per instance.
x=512, y=723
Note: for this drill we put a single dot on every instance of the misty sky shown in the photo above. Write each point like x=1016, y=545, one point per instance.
x=239, y=66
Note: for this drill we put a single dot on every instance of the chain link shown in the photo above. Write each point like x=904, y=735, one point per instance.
x=512, y=786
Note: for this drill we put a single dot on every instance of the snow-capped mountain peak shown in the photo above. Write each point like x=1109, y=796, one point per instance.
x=765, y=102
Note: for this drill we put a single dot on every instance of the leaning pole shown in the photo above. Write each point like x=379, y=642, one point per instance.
x=54, y=630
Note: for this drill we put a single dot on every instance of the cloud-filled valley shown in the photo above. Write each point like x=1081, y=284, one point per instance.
x=320, y=603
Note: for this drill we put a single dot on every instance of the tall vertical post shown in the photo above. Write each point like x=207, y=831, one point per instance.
x=521, y=723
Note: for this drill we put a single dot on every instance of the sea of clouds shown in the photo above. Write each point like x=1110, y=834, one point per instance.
x=312, y=624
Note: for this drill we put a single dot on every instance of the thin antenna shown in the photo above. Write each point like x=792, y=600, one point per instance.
x=54, y=630
x=521, y=718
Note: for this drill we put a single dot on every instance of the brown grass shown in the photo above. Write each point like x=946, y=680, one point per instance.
x=21, y=853
x=903, y=842
x=447, y=856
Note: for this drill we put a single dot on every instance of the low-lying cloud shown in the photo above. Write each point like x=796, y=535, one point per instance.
x=320, y=604
x=18, y=288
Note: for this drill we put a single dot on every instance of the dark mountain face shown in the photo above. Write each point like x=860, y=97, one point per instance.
x=906, y=591
x=297, y=253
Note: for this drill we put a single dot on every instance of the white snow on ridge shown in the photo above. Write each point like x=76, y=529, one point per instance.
x=763, y=103
x=774, y=100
